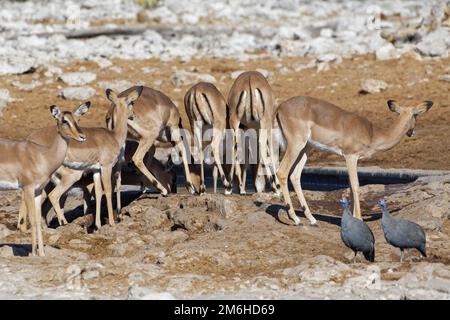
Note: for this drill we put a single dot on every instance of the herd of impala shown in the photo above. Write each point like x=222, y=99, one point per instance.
x=51, y=160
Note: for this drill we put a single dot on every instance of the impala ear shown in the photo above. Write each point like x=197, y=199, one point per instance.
x=82, y=109
x=111, y=95
x=423, y=107
x=135, y=94
x=56, y=112
x=393, y=106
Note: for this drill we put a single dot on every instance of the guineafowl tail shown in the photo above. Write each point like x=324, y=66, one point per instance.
x=370, y=255
x=423, y=250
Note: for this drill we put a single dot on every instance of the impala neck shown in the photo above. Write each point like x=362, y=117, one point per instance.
x=386, y=138
x=121, y=127
x=58, y=149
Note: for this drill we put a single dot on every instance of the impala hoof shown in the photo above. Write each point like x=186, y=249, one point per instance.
x=228, y=191
x=190, y=188
x=202, y=189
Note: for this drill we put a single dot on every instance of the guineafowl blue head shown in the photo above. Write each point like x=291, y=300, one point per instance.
x=344, y=203
x=382, y=204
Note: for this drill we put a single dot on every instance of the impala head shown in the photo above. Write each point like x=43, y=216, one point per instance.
x=410, y=113
x=118, y=102
x=67, y=122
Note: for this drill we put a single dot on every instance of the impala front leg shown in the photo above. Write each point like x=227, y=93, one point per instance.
x=352, y=167
x=106, y=180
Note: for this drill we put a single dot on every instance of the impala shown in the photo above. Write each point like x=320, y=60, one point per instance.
x=251, y=104
x=206, y=108
x=307, y=123
x=28, y=166
x=157, y=120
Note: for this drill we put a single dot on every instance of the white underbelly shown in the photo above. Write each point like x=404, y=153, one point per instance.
x=82, y=165
x=324, y=147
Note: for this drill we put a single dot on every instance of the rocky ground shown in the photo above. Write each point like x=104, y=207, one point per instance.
x=217, y=246
x=231, y=247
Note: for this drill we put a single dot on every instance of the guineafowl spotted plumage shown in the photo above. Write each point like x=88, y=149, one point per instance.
x=401, y=233
x=356, y=235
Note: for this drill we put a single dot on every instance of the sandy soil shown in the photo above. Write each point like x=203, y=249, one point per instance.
x=216, y=246
x=410, y=82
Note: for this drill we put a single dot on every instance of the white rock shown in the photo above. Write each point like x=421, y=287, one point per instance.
x=78, y=78
x=13, y=64
x=386, y=52
x=118, y=86
x=5, y=98
x=26, y=86
x=373, y=86
x=182, y=77
x=445, y=77
x=102, y=62
x=435, y=43
x=4, y=231
x=139, y=293
x=77, y=93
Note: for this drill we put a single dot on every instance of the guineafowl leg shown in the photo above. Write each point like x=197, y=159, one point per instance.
x=401, y=255
x=296, y=183
x=352, y=167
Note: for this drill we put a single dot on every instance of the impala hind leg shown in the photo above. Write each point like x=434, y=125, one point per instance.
x=292, y=152
x=138, y=160
x=176, y=138
x=106, y=173
x=22, y=222
x=198, y=138
x=263, y=142
x=215, y=145
x=38, y=216
x=296, y=183
x=352, y=167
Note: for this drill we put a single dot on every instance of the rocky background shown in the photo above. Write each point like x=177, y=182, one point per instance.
x=356, y=54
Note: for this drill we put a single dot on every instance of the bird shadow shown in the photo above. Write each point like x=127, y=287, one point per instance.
x=19, y=250
x=273, y=209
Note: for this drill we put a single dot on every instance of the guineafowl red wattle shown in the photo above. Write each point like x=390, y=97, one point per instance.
x=401, y=233
x=356, y=235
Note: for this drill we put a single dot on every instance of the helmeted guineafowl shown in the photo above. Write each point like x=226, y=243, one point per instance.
x=401, y=233
x=356, y=234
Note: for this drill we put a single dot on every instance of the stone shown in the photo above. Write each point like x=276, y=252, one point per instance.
x=5, y=98
x=102, y=62
x=372, y=86
x=26, y=86
x=118, y=86
x=224, y=207
x=435, y=43
x=139, y=293
x=77, y=78
x=4, y=231
x=16, y=65
x=77, y=93
x=445, y=77
x=386, y=52
x=182, y=78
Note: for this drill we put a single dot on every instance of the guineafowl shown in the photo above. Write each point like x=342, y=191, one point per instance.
x=402, y=233
x=356, y=234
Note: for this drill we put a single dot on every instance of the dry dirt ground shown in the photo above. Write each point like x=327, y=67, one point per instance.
x=215, y=246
